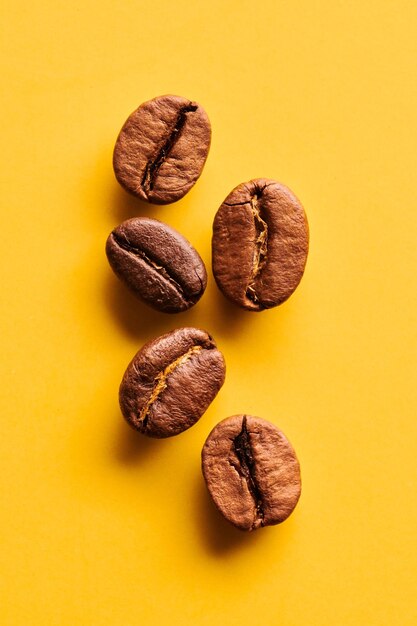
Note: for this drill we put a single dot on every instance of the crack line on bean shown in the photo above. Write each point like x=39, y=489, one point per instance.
x=154, y=165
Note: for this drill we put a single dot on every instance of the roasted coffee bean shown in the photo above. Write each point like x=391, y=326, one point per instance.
x=158, y=264
x=260, y=244
x=161, y=149
x=251, y=472
x=171, y=381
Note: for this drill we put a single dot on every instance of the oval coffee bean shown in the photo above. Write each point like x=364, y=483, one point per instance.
x=260, y=244
x=171, y=381
x=161, y=149
x=251, y=472
x=158, y=264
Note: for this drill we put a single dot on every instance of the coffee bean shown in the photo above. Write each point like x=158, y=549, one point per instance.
x=171, y=381
x=161, y=149
x=251, y=472
x=158, y=264
x=260, y=244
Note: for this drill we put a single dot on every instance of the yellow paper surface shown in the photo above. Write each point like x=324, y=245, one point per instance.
x=102, y=527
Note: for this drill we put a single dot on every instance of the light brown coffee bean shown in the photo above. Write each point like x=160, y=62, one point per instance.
x=161, y=149
x=251, y=472
x=260, y=244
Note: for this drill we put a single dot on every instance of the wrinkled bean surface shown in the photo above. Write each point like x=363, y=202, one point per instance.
x=171, y=381
x=161, y=149
x=260, y=244
x=157, y=263
x=251, y=472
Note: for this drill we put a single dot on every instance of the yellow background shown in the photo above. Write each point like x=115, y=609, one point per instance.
x=102, y=527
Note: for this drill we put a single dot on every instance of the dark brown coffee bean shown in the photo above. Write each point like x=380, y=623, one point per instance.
x=161, y=149
x=260, y=244
x=171, y=381
x=158, y=264
x=251, y=472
